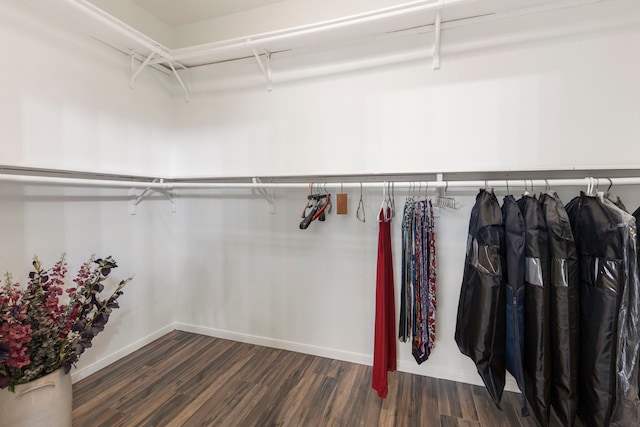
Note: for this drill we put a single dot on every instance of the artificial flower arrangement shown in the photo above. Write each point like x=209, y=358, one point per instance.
x=46, y=327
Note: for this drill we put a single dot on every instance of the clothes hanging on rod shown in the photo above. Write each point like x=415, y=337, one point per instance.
x=514, y=248
x=564, y=309
x=626, y=406
x=582, y=349
x=537, y=354
x=600, y=252
x=481, y=319
x=384, y=351
x=418, y=288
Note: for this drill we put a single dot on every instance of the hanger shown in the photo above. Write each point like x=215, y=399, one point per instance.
x=486, y=186
x=385, y=207
x=317, y=206
x=599, y=193
x=610, y=185
x=507, y=181
x=327, y=200
x=360, y=213
x=526, y=189
x=393, y=199
x=590, y=186
x=308, y=203
x=443, y=201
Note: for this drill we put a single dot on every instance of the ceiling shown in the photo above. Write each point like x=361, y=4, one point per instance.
x=181, y=12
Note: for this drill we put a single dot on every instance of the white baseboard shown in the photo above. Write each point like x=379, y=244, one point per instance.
x=451, y=374
x=360, y=358
x=363, y=359
x=79, y=374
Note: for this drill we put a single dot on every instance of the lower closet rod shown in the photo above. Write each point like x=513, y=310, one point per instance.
x=406, y=185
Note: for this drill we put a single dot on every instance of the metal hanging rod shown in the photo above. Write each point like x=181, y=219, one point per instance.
x=440, y=182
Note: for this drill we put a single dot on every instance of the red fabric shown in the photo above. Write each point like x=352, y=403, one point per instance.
x=384, y=346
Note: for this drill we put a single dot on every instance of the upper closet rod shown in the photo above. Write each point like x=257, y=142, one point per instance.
x=162, y=184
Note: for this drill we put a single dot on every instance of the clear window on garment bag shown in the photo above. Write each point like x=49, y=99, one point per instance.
x=486, y=259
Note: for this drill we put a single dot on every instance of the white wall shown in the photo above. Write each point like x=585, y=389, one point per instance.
x=540, y=104
x=66, y=104
x=566, y=100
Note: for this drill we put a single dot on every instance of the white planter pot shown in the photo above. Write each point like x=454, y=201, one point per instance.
x=45, y=402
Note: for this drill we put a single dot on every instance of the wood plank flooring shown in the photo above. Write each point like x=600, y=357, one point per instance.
x=185, y=379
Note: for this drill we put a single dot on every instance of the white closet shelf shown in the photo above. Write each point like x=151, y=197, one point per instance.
x=415, y=17
x=451, y=180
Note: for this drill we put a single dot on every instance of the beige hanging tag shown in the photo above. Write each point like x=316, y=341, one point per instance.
x=341, y=202
x=341, y=208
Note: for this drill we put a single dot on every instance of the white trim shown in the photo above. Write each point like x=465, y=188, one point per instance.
x=463, y=376
x=77, y=375
x=458, y=375
x=347, y=356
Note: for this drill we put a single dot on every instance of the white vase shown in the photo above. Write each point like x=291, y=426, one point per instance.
x=45, y=402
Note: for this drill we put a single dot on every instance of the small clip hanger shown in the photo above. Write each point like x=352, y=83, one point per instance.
x=360, y=213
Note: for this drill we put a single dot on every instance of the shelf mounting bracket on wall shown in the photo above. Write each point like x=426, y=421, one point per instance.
x=436, y=36
x=265, y=68
x=135, y=201
x=184, y=88
x=136, y=73
x=269, y=195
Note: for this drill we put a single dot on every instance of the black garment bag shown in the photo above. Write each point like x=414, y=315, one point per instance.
x=537, y=354
x=636, y=215
x=564, y=309
x=514, y=248
x=599, y=245
x=626, y=407
x=481, y=321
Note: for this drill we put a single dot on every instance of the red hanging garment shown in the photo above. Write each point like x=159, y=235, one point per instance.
x=384, y=347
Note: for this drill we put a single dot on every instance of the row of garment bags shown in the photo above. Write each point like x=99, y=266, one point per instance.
x=551, y=294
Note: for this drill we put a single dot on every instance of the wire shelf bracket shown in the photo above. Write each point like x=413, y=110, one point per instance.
x=265, y=66
x=269, y=195
x=136, y=200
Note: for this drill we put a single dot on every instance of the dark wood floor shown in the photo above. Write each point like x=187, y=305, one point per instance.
x=185, y=379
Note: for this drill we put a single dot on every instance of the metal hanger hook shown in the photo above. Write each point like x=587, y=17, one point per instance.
x=360, y=213
x=610, y=184
x=590, y=186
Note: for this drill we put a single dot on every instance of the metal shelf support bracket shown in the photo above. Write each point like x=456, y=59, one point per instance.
x=136, y=73
x=136, y=200
x=265, y=66
x=436, y=36
x=269, y=195
x=184, y=87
